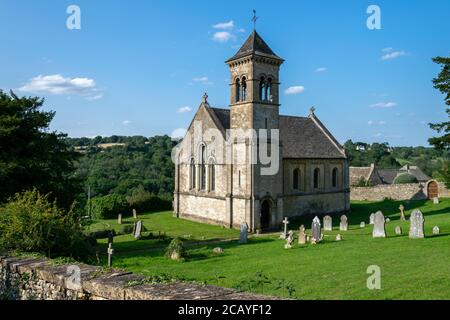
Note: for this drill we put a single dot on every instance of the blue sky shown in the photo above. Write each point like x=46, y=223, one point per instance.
x=141, y=67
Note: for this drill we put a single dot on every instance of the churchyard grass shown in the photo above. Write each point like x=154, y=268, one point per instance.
x=410, y=268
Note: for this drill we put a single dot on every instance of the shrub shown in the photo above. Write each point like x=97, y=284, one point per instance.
x=30, y=223
x=361, y=182
x=176, y=250
x=405, y=178
x=144, y=201
x=109, y=206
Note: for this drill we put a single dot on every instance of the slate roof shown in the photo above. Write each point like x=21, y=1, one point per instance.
x=223, y=115
x=356, y=173
x=255, y=45
x=388, y=175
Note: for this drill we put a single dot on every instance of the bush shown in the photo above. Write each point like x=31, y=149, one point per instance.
x=30, y=223
x=176, y=250
x=108, y=207
x=405, y=178
x=144, y=201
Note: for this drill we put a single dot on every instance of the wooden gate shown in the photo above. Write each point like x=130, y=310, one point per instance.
x=433, y=190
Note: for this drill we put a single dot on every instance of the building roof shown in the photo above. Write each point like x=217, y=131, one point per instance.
x=255, y=45
x=356, y=173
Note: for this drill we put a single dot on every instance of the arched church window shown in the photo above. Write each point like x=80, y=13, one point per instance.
x=203, y=169
x=238, y=90
x=316, y=178
x=192, y=173
x=244, y=89
x=262, y=89
x=334, y=178
x=269, y=89
x=212, y=176
x=295, y=179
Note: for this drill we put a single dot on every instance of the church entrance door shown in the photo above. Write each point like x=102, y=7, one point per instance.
x=265, y=215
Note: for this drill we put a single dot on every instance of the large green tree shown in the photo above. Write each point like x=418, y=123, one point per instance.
x=30, y=155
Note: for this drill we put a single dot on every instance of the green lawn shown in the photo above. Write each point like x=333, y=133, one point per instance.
x=410, y=269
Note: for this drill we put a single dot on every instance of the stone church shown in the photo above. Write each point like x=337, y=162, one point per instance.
x=312, y=176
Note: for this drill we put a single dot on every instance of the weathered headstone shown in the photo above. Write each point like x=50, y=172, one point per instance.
x=243, y=238
x=301, y=235
x=402, y=212
x=285, y=233
x=436, y=230
x=362, y=224
x=110, y=252
x=316, y=230
x=372, y=218
x=218, y=250
x=119, y=218
x=308, y=239
x=398, y=230
x=289, y=240
x=138, y=229
x=327, y=223
x=435, y=200
x=379, y=230
x=338, y=237
x=388, y=220
x=416, y=225
x=343, y=226
x=134, y=214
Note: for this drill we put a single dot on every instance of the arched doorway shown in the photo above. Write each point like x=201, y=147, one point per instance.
x=265, y=214
x=432, y=190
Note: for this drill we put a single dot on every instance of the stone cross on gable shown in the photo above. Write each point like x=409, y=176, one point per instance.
x=312, y=111
x=254, y=19
x=205, y=98
x=110, y=254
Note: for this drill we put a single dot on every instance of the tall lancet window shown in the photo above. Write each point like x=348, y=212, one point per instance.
x=203, y=169
x=192, y=167
x=296, y=178
x=212, y=176
x=262, y=89
x=244, y=89
x=334, y=178
x=238, y=90
x=316, y=178
x=269, y=90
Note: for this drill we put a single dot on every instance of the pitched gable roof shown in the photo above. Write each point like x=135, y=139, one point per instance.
x=255, y=45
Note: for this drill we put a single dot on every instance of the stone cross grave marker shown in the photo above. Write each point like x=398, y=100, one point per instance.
x=316, y=230
x=343, y=226
x=379, y=230
x=289, y=240
x=436, y=230
x=138, y=229
x=301, y=235
x=402, y=212
x=416, y=225
x=110, y=254
x=134, y=214
x=372, y=218
x=285, y=222
x=327, y=223
x=243, y=238
x=119, y=218
x=398, y=230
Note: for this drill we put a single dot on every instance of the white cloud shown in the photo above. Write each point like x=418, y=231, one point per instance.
x=59, y=85
x=204, y=80
x=381, y=123
x=378, y=135
x=178, y=133
x=370, y=122
x=184, y=109
x=222, y=36
x=241, y=30
x=294, y=90
x=321, y=69
x=224, y=25
x=392, y=54
x=126, y=122
x=387, y=49
x=384, y=105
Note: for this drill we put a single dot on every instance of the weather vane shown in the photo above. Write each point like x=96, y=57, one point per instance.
x=254, y=19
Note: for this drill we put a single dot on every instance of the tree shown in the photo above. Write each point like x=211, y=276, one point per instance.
x=30, y=155
x=442, y=83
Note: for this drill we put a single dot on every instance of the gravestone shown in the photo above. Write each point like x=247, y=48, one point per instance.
x=316, y=230
x=362, y=224
x=379, y=230
x=308, y=239
x=134, y=214
x=436, y=230
x=338, y=237
x=416, y=225
x=284, y=235
x=110, y=252
x=243, y=238
x=398, y=230
x=138, y=229
x=119, y=218
x=289, y=240
x=435, y=200
x=327, y=223
x=372, y=218
x=402, y=212
x=218, y=250
x=388, y=220
x=301, y=235
x=343, y=226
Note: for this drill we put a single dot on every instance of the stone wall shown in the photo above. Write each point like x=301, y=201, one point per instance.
x=39, y=279
x=411, y=191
